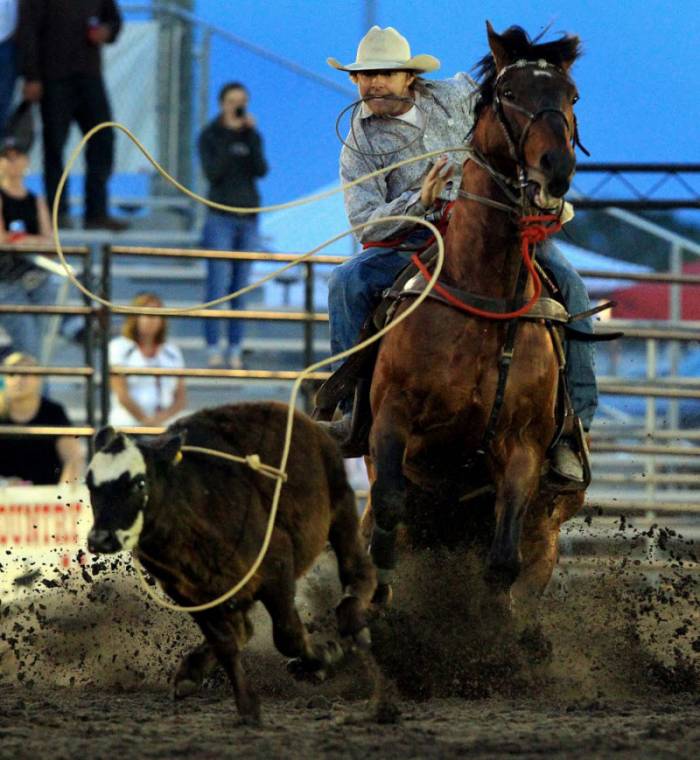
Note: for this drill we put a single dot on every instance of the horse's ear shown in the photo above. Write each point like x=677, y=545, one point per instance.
x=574, y=47
x=498, y=49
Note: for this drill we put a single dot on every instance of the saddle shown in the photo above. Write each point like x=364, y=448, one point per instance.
x=355, y=375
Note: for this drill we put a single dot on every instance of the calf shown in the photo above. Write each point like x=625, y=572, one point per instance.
x=197, y=523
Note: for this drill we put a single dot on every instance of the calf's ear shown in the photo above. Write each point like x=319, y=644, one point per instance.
x=169, y=450
x=104, y=437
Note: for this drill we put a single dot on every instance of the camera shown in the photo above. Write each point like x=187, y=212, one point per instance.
x=239, y=112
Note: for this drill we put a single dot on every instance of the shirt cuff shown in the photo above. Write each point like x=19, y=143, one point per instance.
x=415, y=205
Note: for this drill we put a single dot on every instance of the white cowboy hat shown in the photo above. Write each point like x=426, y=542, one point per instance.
x=386, y=49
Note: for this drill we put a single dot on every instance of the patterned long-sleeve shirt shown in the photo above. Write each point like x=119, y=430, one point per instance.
x=444, y=114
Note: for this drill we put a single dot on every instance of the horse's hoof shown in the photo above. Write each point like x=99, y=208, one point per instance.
x=332, y=653
x=185, y=688
x=383, y=595
x=386, y=712
x=536, y=645
x=363, y=639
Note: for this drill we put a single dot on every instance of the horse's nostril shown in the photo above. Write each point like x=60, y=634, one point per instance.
x=558, y=187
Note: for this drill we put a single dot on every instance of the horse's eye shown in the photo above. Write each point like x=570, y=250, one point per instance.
x=508, y=94
x=138, y=484
x=574, y=100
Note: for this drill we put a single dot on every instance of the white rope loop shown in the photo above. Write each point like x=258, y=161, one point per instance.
x=253, y=460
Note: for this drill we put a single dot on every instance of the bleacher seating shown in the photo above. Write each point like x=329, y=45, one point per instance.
x=267, y=345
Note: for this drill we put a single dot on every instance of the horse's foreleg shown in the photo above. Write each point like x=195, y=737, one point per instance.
x=367, y=519
x=540, y=546
x=388, y=492
x=515, y=490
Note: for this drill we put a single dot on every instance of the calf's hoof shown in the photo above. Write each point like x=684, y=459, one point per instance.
x=253, y=719
x=304, y=670
x=316, y=667
x=386, y=712
x=185, y=688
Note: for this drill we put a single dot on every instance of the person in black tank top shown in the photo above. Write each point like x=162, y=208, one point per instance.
x=41, y=460
x=23, y=211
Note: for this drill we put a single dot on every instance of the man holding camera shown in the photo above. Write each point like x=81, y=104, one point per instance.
x=231, y=152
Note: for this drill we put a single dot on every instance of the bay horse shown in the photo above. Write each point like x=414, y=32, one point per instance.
x=437, y=373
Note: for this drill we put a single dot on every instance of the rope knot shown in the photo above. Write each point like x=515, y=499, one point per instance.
x=537, y=228
x=253, y=461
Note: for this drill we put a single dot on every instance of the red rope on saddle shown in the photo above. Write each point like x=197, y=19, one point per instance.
x=533, y=230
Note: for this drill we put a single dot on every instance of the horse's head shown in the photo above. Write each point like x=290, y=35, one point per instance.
x=530, y=118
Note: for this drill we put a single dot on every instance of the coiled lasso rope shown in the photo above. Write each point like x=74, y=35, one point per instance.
x=253, y=461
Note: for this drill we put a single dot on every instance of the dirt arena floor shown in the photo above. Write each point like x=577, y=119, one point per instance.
x=613, y=669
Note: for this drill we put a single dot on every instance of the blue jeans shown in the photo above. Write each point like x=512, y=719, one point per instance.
x=580, y=355
x=8, y=74
x=24, y=329
x=356, y=284
x=224, y=232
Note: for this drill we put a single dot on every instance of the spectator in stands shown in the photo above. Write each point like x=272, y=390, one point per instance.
x=8, y=63
x=139, y=399
x=41, y=460
x=24, y=217
x=231, y=152
x=59, y=47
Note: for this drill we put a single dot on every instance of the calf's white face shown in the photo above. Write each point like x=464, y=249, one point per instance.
x=117, y=483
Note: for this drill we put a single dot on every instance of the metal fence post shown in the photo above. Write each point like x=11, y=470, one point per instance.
x=88, y=342
x=675, y=315
x=650, y=419
x=308, y=330
x=106, y=320
x=204, y=61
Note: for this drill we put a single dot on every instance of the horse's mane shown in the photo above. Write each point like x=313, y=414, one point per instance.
x=517, y=42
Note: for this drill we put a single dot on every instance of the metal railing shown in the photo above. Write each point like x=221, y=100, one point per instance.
x=309, y=317
x=86, y=254
x=651, y=444
x=638, y=197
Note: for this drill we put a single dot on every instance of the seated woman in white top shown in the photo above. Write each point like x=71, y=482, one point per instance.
x=140, y=399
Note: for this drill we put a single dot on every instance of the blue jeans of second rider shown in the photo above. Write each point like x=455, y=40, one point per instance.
x=225, y=232
x=356, y=285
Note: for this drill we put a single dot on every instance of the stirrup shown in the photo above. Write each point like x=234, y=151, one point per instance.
x=338, y=430
x=579, y=446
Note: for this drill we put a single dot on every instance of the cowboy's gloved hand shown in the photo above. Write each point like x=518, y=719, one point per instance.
x=435, y=181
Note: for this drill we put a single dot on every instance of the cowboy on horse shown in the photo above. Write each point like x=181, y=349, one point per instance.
x=403, y=115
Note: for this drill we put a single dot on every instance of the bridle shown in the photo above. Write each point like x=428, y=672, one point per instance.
x=516, y=145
